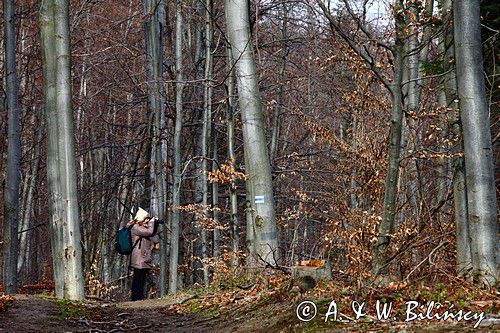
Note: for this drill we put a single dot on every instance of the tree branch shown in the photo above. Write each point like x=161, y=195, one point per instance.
x=365, y=55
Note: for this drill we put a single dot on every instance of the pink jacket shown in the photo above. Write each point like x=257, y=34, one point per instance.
x=141, y=254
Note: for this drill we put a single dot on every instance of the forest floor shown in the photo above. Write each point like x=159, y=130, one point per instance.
x=238, y=311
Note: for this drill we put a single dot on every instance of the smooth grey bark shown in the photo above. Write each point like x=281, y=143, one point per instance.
x=176, y=191
x=215, y=199
x=480, y=179
x=154, y=37
x=250, y=234
x=208, y=110
x=83, y=97
x=13, y=174
x=28, y=206
x=73, y=286
x=426, y=36
x=463, y=259
x=413, y=62
x=61, y=171
x=354, y=144
x=205, y=135
x=389, y=208
x=47, y=35
x=442, y=163
x=278, y=109
x=198, y=56
x=233, y=198
x=296, y=226
x=258, y=168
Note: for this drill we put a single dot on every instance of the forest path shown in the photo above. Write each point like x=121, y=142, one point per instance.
x=33, y=313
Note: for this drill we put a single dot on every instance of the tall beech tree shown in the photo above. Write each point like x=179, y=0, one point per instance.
x=261, y=220
x=176, y=191
x=480, y=179
x=13, y=176
x=155, y=41
x=463, y=260
x=61, y=170
x=231, y=156
x=206, y=129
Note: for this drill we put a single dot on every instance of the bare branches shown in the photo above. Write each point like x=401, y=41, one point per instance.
x=277, y=267
x=363, y=27
x=428, y=77
x=362, y=52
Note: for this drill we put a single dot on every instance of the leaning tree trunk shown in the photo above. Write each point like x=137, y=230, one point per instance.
x=61, y=172
x=258, y=168
x=13, y=175
x=176, y=191
x=481, y=192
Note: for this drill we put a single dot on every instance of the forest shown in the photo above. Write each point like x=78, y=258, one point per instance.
x=220, y=163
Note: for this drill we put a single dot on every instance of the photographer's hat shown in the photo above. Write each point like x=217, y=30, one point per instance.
x=141, y=215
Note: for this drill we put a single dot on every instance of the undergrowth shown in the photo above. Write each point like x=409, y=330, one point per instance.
x=5, y=302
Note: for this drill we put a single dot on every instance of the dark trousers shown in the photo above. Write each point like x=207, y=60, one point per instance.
x=138, y=282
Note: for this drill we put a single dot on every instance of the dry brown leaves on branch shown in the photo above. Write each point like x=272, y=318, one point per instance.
x=226, y=174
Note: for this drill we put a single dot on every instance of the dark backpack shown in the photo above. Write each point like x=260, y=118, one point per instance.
x=123, y=242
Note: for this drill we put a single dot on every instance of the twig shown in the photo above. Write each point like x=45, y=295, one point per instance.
x=284, y=269
x=427, y=258
x=246, y=287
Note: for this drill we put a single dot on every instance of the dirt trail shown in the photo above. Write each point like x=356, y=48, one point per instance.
x=31, y=313
x=35, y=314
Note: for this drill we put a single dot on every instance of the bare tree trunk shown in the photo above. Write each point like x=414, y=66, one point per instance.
x=65, y=223
x=198, y=56
x=463, y=260
x=207, y=119
x=154, y=27
x=233, y=198
x=47, y=35
x=28, y=207
x=13, y=175
x=413, y=60
x=481, y=192
x=258, y=168
x=427, y=33
x=179, y=85
x=353, y=199
x=279, y=100
x=387, y=224
x=215, y=199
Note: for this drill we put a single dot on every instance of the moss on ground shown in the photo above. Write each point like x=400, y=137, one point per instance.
x=69, y=310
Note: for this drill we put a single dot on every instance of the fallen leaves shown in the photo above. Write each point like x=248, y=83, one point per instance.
x=5, y=302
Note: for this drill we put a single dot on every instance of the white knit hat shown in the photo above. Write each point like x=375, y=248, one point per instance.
x=141, y=215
